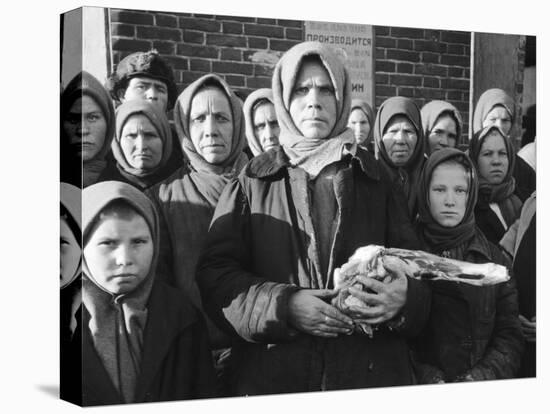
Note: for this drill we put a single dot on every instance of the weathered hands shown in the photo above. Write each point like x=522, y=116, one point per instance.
x=309, y=313
x=529, y=328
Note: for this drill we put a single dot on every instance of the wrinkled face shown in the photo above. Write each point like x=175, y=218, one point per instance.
x=443, y=134
x=493, y=158
x=399, y=139
x=141, y=143
x=313, y=101
x=359, y=124
x=86, y=127
x=448, y=194
x=148, y=89
x=119, y=253
x=266, y=126
x=69, y=253
x=500, y=117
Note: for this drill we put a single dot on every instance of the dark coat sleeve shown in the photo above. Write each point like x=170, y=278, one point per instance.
x=237, y=300
x=503, y=355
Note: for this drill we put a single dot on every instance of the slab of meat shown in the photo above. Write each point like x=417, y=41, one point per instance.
x=384, y=263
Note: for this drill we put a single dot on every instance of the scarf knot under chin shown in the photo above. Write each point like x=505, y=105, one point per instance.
x=312, y=154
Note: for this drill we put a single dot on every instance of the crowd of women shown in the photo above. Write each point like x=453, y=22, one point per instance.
x=197, y=261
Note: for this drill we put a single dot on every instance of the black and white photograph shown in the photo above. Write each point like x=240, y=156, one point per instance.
x=314, y=210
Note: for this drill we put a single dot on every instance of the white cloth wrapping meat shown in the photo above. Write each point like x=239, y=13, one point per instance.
x=384, y=263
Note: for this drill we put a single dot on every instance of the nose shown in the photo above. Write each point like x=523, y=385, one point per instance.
x=399, y=136
x=267, y=133
x=151, y=94
x=124, y=256
x=139, y=142
x=82, y=127
x=495, y=160
x=449, y=199
x=313, y=98
x=210, y=126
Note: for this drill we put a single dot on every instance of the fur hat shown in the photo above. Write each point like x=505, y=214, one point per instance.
x=147, y=64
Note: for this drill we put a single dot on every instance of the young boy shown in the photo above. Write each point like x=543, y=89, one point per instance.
x=141, y=341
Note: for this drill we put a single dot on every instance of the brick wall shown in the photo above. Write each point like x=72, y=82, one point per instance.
x=421, y=64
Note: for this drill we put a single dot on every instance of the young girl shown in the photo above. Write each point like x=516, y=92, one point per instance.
x=473, y=333
x=141, y=339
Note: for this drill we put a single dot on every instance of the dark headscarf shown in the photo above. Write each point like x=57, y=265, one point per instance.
x=409, y=173
x=309, y=153
x=503, y=193
x=85, y=84
x=487, y=101
x=117, y=322
x=142, y=178
x=441, y=238
x=367, y=109
x=432, y=111
x=182, y=111
x=248, y=109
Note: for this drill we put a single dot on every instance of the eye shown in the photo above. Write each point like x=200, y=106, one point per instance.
x=140, y=241
x=93, y=117
x=106, y=243
x=64, y=241
x=302, y=90
x=326, y=90
x=221, y=118
x=199, y=118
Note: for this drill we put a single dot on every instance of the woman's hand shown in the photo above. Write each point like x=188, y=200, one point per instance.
x=529, y=328
x=309, y=313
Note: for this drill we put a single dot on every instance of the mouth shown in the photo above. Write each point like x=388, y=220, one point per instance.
x=143, y=156
x=124, y=277
x=449, y=213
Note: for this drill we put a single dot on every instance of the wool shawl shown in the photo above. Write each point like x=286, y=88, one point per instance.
x=367, y=110
x=248, y=109
x=503, y=193
x=117, y=322
x=437, y=237
x=136, y=176
x=431, y=112
x=312, y=154
x=408, y=174
x=71, y=166
x=487, y=101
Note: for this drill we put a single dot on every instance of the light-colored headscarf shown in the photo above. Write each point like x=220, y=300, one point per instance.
x=117, y=322
x=182, y=111
x=431, y=112
x=86, y=84
x=487, y=101
x=248, y=110
x=308, y=153
x=367, y=109
x=144, y=178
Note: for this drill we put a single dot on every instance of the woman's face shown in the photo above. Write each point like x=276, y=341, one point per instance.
x=493, y=158
x=313, y=101
x=211, y=125
x=119, y=253
x=500, y=117
x=141, y=143
x=359, y=124
x=86, y=127
x=70, y=253
x=399, y=139
x=443, y=134
x=448, y=194
x=266, y=126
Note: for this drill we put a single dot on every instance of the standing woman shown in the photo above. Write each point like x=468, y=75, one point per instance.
x=88, y=125
x=498, y=206
x=473, y=332
x=399, y=144
x=442, y=125
x=142, y=145
x=262, y=127
x=361, y=121
x=496, y=107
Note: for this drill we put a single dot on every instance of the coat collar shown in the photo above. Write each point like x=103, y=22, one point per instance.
x=271, y=162
x=480, y=245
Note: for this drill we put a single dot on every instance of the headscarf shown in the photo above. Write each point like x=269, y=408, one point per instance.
x=487, y=101
x=144, y=178
x=182, y=111
x=503, y=193
x=312, y=154
x=86, y=84
x=431, y=112
x=367, y=109
x=436, y=236
x=248, y=110
x=117, y=322
x=71, y=200
x=409, y=173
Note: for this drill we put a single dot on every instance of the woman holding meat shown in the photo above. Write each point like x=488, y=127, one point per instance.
x=473, y=333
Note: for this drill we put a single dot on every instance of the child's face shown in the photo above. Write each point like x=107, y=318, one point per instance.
x=119, y=253
x=69, y=253
x=448, y=194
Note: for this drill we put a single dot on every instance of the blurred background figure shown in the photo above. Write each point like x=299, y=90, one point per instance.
x=442, y=124
x=262, y=127
x=361, y=122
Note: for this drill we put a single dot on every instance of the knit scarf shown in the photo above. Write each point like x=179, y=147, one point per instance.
x=117, y=322
x=437, y=237
x=312, y=155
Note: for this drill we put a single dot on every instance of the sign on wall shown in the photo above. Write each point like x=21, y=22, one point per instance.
x=355, y=44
